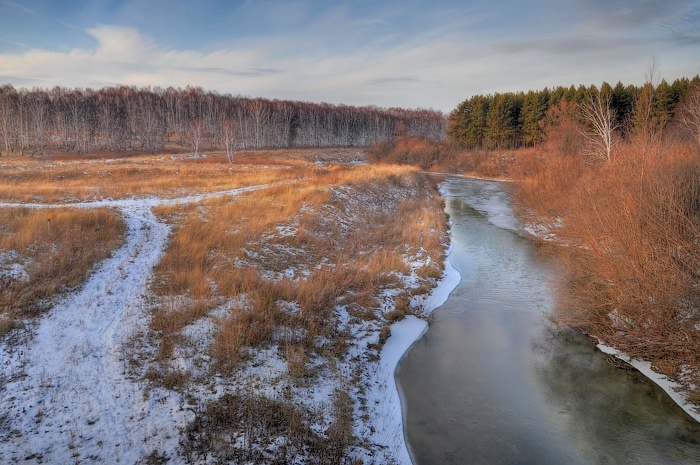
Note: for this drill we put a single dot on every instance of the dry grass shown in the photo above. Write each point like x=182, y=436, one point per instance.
x=271, y=268
x=25, y=179
x=48, y=262
x=311, y=242
x=256, y=421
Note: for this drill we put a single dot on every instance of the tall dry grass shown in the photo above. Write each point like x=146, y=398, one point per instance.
x=52, y=259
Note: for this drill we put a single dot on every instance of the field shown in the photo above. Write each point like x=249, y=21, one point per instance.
x=193, y=310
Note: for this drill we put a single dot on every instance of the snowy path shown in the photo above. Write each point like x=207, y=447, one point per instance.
x=67, y=398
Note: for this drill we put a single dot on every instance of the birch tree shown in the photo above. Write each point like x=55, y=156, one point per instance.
x=601, y=125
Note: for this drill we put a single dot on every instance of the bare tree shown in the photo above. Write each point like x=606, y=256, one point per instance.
x=645, y=123
x=193, y=135
x=601, y=126
x=125, y=117
x=40, y=110
x=259, y=112
x=8, y=109
x=150, y=124
x=229, y=138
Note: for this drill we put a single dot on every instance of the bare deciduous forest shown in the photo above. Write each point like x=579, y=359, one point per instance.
x=151, y=119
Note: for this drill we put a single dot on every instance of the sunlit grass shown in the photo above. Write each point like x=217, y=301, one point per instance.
x=39, y=261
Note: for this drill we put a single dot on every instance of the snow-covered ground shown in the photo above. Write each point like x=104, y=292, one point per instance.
x=67, y=396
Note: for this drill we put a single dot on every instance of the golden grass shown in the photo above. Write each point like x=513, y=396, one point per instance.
x=335, y=238
x=53, y=260
x=23, y=179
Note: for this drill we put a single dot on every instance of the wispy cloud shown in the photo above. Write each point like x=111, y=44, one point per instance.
x=17, y=7
x=684, y=29
x=574, y=44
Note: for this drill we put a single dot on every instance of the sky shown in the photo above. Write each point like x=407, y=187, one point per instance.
x=391, y=53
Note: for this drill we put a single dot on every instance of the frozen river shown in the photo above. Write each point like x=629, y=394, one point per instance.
x=492, y=382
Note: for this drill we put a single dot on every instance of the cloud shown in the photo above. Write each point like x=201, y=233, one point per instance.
x=620, y=15
x=122, y=44
x=685, y=29
x=252, y=72
x=384, y=56
x=124, y=55
x=394, y=80
x=18, y=7
x=563, y=45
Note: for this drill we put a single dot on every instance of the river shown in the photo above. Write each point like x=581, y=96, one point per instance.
x=492, y=382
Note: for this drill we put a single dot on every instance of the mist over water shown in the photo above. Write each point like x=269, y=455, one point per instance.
x=493, y=382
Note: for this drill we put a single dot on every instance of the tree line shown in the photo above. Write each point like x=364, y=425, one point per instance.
x=149, y=119
x=518, y=119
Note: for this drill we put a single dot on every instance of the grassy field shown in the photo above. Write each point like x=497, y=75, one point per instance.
x=74, y=179
x=284, y=278
x=267, y=310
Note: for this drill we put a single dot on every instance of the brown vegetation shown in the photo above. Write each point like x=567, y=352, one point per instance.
x=275, y=269
x=634, y=268
x=23, y=179
x=49, y=260
x=311, y=243
x=448, y=157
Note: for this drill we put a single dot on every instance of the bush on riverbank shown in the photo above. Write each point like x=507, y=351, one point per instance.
x=634, y=269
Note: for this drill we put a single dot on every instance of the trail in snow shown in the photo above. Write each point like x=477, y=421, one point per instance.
x=67, y=398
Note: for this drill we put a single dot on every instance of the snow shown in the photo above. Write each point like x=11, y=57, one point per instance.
x=11, y=268
x=68, y=396
x=62, y=390
x=439, y=295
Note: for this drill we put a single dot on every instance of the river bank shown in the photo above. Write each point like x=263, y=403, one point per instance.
x=388, y=416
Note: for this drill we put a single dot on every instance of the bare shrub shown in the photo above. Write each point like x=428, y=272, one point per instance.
x=246, y=428
x=416, y=151
x=633, y=281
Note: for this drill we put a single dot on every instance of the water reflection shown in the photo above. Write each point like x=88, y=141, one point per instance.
x=613, y=415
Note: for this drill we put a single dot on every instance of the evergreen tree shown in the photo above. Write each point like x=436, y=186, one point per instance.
x=500, y=121
x=622, y=102
x=535, y=105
